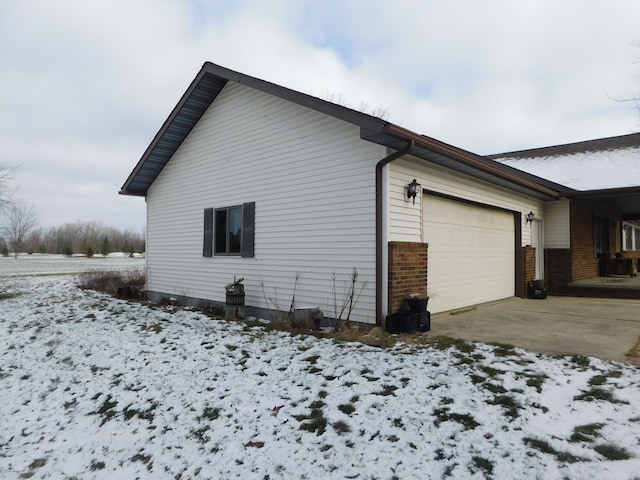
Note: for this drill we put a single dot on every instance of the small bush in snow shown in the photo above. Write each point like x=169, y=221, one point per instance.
x=114, y=282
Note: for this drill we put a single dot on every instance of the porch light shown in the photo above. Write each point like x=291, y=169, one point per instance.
x=412, y=190
x=530, y=217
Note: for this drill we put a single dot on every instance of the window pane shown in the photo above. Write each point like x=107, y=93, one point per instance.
x=601, y=233
x=628, y=237
x=637, y=235
x=221, y=231
x=235, y=229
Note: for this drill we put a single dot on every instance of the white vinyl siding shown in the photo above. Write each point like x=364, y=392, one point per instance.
x=471, y=233
x=557, y=225
x=405, y=219
x=313, y=183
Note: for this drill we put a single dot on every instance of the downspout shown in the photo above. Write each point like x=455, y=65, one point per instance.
x=379, y=225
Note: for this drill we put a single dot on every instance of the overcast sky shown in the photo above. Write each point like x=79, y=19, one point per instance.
x=85, y=85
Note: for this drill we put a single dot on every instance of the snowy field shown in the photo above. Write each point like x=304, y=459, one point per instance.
x=94, y=387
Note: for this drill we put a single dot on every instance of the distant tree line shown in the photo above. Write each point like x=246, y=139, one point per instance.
x=86, y=237
x=19, y=232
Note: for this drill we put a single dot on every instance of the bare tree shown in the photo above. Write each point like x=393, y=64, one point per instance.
x=338, y=98
x=6, y=174
x=635, y=99
x=20, y=219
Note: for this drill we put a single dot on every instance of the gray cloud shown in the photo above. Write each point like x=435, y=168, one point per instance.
x=86, y=85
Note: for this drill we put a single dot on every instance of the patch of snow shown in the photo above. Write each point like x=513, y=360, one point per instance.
x=95, y=387
x=43, y=264
x=585, y=170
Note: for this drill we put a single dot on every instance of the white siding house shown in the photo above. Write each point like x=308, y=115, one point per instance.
x=310, y=176
x=250, y=179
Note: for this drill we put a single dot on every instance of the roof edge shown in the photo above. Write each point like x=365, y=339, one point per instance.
x=481, y=163
x=125, y=190
x=367, y=123
x=600, y=144
x=215, y=77
x=605, y=192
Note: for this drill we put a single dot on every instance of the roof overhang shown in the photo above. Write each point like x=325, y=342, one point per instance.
x=454, y=158
x=624, y=200
x=210, y=81
x=201, y=93
x=185, y=115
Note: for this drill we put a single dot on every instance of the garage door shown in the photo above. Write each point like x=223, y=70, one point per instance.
x=471, y=253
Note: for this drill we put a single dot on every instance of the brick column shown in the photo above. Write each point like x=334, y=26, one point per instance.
x=408, y=264
x=529, y=262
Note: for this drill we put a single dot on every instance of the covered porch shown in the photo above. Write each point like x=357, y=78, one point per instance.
x=616, y=282
x=613, y=286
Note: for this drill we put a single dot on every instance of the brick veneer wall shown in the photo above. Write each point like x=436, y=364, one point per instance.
x=631, y=253
x=408, y=265
x=529, y=254
x=584, y=262
x=557, y=266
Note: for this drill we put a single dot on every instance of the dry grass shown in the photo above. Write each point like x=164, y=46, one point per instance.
x=633, y=355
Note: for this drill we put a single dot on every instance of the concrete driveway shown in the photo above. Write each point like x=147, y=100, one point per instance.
x=600, y=327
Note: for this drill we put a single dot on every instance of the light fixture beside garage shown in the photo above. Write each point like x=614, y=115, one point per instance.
x=530, y=217
x=412, y=190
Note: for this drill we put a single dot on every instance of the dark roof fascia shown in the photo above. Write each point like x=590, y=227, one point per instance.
x=600, y=144
x=626, y=200
x=367, y=123
x=154, y=147
x=541, y=188
x=605, y=193
x=372, y=129
x=364, y=121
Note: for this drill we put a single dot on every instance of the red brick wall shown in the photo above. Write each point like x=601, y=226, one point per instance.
x=583, y=258
x=408, y=263
x=584, y=263
x=529, y=254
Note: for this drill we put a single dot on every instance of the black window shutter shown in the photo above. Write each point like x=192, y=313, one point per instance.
x=248, y=228
x=207, y=244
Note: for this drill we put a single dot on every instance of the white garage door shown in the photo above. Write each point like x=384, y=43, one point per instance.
x=471, y=253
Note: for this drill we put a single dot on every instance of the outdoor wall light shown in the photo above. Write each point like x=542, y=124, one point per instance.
x=530, y=217
x=412, y=190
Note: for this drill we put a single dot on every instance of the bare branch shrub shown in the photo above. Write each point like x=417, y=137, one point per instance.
x=276, y=311
x=111, y=281
x=349, y=301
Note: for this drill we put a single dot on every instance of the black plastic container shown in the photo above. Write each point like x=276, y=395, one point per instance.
x=402, y=322
x=424, y=321
x=536, y=290
x=418, y=304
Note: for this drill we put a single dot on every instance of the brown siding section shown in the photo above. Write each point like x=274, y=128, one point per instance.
x=557, y=263
x=584, y=263
x=408, y=264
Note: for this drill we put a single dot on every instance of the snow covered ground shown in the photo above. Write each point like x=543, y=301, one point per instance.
x=94, y=387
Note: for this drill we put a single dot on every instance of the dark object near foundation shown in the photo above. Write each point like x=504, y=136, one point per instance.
x=537, y=290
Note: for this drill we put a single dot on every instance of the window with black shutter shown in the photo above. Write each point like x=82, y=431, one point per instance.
x=207, y=244
x=229, y=230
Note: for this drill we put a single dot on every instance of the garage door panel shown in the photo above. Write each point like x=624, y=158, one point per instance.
x=471, y=253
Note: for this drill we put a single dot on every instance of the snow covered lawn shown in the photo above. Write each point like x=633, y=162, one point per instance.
x=94, y=387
